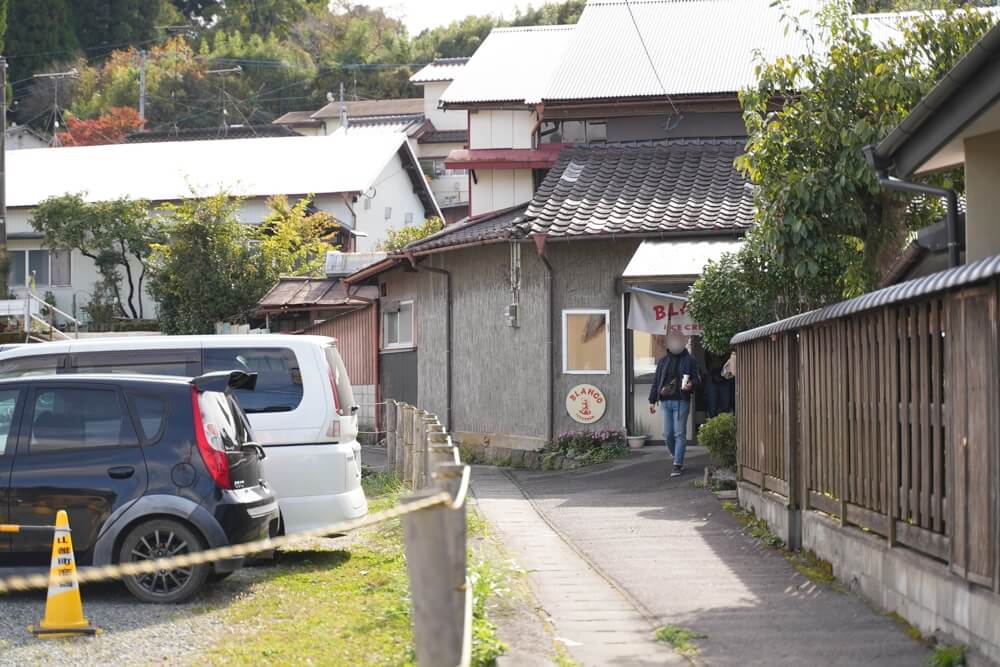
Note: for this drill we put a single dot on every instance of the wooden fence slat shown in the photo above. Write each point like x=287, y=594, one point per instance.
x=893, y=476
x=925, y=413
x=909, y=382
x=937, y=490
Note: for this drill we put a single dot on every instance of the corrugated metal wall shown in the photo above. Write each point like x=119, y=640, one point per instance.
x=356, y=339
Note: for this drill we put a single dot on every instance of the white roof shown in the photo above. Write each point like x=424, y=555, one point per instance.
x=695, y=47
x=511, y=65
x=441, y=69
x=658, y=259
x=170, y=171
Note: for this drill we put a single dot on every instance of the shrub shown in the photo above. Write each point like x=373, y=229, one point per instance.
x=718, y=436
x=588, y=447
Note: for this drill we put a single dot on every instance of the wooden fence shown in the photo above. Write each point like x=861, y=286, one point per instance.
x=886, y=419
x=422, y=454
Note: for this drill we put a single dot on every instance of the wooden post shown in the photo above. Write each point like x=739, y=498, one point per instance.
x=407, y=443
x=439, y=451
x=791, y=418
x=417, y=435
x=400, y=440
x=390, y=435
x=435, y=561
x=430, y=424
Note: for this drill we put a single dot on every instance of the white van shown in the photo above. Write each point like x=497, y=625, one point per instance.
x=302, y=409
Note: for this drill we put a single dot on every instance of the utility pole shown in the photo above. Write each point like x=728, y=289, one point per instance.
x=142, y=86
x=343, y=107
x=56, y=77
x=3, y=179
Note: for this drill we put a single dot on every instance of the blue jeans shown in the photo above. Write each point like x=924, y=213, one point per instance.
x=675, y=421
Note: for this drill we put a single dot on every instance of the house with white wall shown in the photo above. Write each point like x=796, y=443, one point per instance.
x=501, y=88
x=368, y=183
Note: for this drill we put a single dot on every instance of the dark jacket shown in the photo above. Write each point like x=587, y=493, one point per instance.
x=685, y=365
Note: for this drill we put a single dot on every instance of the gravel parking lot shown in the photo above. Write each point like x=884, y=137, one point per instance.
x=133, y=632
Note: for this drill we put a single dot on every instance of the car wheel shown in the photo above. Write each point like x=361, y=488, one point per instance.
x=163, y=538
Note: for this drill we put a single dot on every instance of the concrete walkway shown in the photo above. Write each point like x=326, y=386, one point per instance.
x=596, y=623
x=680, y=559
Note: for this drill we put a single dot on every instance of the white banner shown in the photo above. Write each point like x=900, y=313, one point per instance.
x=659, y=315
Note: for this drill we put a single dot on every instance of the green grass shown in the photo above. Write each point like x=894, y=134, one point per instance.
x=947, y=655
x=911, y=631
x=681, y=639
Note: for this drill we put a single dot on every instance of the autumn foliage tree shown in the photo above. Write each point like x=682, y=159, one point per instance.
x=108, y=128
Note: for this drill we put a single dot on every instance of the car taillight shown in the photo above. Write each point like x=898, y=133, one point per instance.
x=212, y=453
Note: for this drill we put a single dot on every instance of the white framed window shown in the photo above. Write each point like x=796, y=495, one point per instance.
x=586, y=342
x=50, y=268
x=397, y=325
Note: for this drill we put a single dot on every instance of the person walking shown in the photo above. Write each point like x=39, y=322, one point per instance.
x=676, y=378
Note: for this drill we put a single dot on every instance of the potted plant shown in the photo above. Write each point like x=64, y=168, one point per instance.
x=636, y=441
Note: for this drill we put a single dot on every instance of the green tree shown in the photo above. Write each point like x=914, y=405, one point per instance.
x=38, y=35
x=397, y=239
x=107, y=24
x=237, y=263
x=117, y=235
x=827, y=229
x=265, y=17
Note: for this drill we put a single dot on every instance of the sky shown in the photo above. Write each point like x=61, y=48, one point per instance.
x=421, y=14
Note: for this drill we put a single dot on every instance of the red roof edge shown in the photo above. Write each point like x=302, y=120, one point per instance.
x=542, y=157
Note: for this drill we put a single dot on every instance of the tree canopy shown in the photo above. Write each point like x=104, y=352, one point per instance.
x=826, y=228
x=237, y=263
x=290, y=54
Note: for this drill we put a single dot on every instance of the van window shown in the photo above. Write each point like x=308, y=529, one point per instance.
x=345, y=393
x=279, y=379
x=42, y=364
x=74, y=418
x=177, y=363
x=8, y=404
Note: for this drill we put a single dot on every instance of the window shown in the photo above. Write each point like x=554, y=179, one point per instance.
x=50, y=269
x=397, y=325
x=75, y=418
x=178, y=363
x=150, y=411
x=279, y=380
x=586, y=343
x=45, y=364
x=8, y=404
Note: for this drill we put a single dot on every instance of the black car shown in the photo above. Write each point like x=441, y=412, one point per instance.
x=145, y=466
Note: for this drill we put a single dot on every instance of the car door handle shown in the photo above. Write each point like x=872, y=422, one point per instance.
x=121, y=472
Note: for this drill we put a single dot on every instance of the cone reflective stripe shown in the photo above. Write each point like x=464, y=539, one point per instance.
x=63, y=607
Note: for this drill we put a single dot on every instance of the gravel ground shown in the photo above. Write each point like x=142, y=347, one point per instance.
x=133, y=633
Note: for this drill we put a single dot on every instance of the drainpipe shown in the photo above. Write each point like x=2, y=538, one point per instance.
x=539, y=240
x=448, y=327
x=949, y=195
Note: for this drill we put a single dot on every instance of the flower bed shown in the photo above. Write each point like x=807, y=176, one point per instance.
x=584, y=447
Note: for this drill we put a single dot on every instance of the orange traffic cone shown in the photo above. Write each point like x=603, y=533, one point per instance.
x=63, y=607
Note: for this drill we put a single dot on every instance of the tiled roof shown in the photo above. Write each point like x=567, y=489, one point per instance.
x=298, y=119
x=364, y=108
x=205, y=133
x=296, y=293
x=511, y=65
x=680, y=186
x=442, y=69
x=445, y=137
x=339, y=264
x=493, y=226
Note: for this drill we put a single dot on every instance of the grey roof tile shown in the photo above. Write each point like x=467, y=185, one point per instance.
x=627, y=189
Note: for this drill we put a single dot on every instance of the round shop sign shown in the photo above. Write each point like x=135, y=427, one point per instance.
x=585, y=403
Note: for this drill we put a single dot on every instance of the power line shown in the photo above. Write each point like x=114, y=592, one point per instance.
x=645, y=49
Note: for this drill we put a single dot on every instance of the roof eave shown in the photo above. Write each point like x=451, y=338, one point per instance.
x=965, y=93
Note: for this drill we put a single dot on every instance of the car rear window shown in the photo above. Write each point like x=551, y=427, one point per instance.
x=150, y=412
x=279, y=379
x=74, y=418
x=345, y=393
x=225, y=425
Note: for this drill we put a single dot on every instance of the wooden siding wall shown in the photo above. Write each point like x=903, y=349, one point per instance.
x=357, y=336
x=887, y=420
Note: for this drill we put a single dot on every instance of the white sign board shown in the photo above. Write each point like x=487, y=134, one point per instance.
x=657, y=315
x=585, y=403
